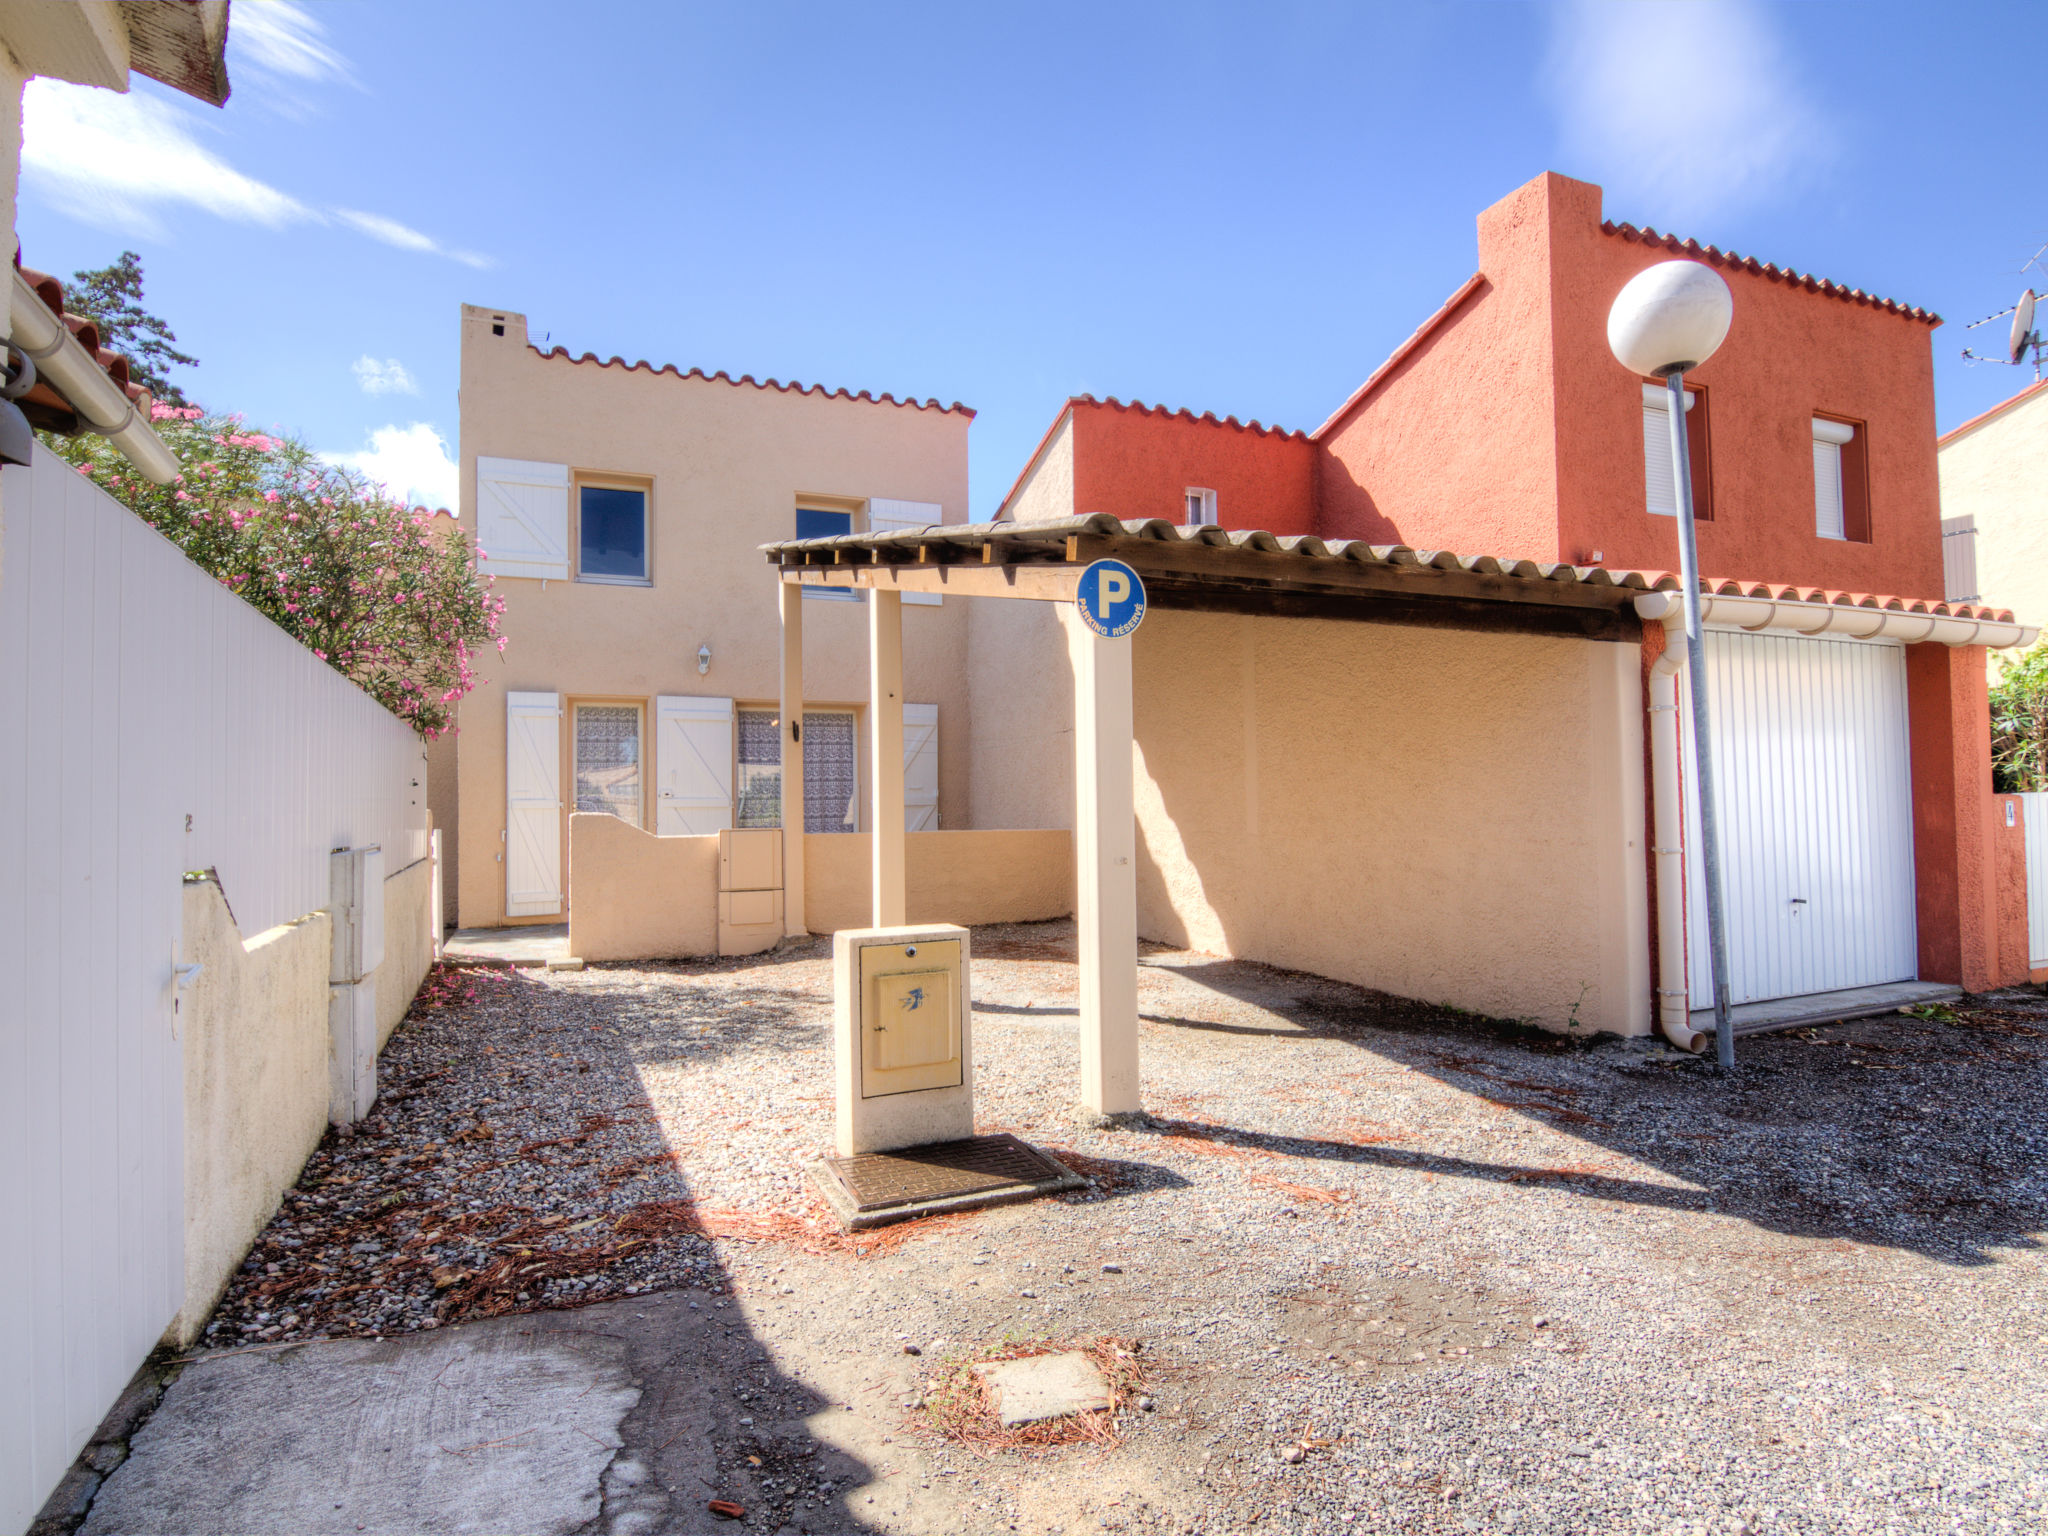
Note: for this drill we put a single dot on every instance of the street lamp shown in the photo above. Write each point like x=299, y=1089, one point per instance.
x=1669, y=318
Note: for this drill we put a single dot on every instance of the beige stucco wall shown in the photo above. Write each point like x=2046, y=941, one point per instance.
x=254, y=1024
x=408, y=943
x=1445, y=816
x=727, y=465
x=1021, y=731
x=949, y=877
x=636, y=896
x=1998, y=473
x=1047, y=490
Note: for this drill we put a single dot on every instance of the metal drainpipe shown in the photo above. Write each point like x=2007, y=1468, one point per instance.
x=1674, y=1006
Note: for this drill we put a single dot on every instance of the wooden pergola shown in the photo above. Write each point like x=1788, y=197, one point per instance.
x=1182, y=567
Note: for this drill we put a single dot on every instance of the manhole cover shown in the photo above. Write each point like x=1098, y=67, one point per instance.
x=945, y=1175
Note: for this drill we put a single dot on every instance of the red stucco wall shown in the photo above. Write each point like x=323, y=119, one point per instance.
x=1138, y=461
x=1954, y=851
x=1455, y=448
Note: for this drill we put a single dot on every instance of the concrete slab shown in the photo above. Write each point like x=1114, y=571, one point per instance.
x=537, y=945
x=1829, y=1007
x=468, y=1430
x=872, y=1189
x=1041, y=1387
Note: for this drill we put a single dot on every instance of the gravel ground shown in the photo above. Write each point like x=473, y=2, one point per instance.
x=1392, y=1267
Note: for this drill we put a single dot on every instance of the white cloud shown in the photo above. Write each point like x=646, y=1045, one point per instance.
x=280, y=37
x=1683, y=109
x=390, y=377
x=121, y=161
x=116, y=160
x=412, y=463
x=391, y=232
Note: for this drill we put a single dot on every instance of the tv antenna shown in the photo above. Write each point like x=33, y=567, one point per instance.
x=2021, y=337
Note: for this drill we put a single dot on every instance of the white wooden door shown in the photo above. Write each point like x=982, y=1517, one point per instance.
x=2035, y=809
x=693, y=757
x=1815, y=792
x=533, y=804
x=920, y=767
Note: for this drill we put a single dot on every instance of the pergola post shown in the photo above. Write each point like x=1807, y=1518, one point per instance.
x=1106, y=877
x=885, y=742
x=792, y=715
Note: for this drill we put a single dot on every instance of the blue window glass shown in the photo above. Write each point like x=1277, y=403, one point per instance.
x=811, y=523
x=816, y=523
x=612, y=533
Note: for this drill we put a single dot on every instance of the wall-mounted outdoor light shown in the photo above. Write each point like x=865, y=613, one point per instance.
x=703, y=658
x=1669, y=318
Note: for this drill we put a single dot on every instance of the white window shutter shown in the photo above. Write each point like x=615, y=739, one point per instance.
x=885, y=516
x=1660, y=494
x=533, y=804
x=920, y=767
x=693, y=757
x=522, y=518
x=1828, y=438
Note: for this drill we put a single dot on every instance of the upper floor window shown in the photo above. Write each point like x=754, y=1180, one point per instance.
x=1841, y=496
x=825, y=523
x=611, y=533
x=1201, y=507
x=1660, y=487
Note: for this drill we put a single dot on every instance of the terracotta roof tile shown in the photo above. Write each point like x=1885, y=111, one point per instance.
x=722, y=377
x=1997, y=410
x=1208, y=418
x=1715, y=257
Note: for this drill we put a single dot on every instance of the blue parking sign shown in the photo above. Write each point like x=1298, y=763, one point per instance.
x=1111, y=598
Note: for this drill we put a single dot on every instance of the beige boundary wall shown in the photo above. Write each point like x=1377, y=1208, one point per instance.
x=1442, y=815
x=255, y=1038
x=635, y=896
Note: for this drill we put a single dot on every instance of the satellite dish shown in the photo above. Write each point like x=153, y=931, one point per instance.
x=2022, y=327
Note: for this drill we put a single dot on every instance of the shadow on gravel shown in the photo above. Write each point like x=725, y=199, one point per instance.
x=459, y=1264
x=1924, y=1134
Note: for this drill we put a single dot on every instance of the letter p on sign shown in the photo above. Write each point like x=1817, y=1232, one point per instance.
x=1111, y=598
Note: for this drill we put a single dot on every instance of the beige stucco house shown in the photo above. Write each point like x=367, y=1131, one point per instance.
x=1994, y=505
x=620, y=509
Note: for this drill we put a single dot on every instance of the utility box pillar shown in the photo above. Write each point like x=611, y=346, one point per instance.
x=356, y=905
x=903, y=1045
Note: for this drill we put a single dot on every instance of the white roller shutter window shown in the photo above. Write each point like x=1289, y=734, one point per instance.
x=1829, y=437
x=693, y=758
x=522, y=518
x=533, y=804
x=885, y=516
x=1660, y=494
x=920, y=767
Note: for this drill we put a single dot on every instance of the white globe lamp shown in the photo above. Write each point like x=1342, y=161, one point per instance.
x=1670, y=318
x=1666, y=320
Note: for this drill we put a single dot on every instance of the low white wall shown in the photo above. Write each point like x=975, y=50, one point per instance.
x=255, y=1034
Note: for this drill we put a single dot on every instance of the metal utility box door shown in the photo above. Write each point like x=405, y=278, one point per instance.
x=910, y=1017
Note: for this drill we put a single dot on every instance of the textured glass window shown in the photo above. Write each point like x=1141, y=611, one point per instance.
x=608, y=760
x=612, y=533
x=758, y=794
x=831, y=774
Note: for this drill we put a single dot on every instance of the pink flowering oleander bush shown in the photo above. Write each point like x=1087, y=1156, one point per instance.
x=381, y=592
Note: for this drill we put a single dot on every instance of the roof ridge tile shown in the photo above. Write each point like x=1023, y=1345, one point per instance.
x=1715, y=256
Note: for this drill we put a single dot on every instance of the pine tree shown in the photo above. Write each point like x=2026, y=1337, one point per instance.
x=111, y=297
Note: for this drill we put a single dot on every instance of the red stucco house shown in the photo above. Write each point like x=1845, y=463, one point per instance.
x=1866, y=845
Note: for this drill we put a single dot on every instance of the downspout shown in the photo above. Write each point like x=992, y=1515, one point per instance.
x=74, y=374
x=1674, y=1003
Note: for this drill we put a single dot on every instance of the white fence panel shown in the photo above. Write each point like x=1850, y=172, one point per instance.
x=150, y=722
x=2035, y=808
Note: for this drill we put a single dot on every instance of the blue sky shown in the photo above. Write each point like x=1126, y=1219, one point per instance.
x=1239, y=209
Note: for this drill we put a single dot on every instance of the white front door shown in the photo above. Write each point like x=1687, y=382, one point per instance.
x=920, y=767
x=1813, y=783
x=533, y=804
x=693, y=757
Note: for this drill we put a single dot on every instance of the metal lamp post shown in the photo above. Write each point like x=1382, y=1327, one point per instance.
x=1669, y=318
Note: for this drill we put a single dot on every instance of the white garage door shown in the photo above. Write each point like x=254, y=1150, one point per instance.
x=1812, y=772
